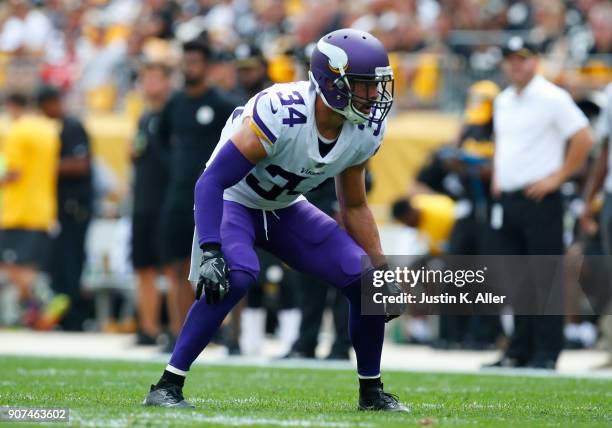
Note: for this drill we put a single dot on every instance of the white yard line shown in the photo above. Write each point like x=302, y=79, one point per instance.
x=194, y=417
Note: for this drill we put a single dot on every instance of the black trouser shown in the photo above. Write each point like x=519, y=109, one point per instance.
x=314, y=302
x=533, y=228
x=470, y=236
x=67, y=260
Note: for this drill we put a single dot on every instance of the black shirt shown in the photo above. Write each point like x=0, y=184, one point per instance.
x=150, y=166
x=325, y=147
x=74, y=143
x=438, y=177
x=191, y=127
x=482, y=134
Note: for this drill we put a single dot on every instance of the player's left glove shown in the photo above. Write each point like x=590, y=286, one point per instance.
x=213, y=277
x=393, y=310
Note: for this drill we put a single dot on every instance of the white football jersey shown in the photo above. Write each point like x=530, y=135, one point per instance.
x=283, y=117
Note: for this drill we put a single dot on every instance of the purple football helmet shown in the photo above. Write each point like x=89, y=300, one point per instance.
x=347, y=60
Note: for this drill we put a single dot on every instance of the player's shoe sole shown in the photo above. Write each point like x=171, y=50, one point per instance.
x=398, y=408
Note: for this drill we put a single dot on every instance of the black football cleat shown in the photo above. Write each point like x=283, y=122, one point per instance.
x=166, y=396
x=374, y=398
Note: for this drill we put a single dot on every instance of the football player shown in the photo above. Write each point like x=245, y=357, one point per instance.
x=284, y=142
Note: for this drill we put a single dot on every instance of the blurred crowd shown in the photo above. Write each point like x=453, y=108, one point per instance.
x=92, y=48
x=63, y=57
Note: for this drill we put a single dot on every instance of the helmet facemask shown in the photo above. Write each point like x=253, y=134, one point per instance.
x=368, y=98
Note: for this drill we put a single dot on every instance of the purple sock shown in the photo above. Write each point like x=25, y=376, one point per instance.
x=203, y=320
x=367, y=332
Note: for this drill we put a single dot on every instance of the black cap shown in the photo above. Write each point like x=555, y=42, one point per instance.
x=200, y=44
x=247, y=55
x=517, y=45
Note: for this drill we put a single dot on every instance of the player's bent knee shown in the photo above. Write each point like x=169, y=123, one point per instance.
x=352, y=290
x=353, y=264
x=241, y=281
x=242, y=258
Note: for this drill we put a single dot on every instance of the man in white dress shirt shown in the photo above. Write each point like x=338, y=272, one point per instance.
x=541, y=140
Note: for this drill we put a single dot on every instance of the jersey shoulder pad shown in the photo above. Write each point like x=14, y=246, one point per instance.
x=276, y=110
x=263, y=109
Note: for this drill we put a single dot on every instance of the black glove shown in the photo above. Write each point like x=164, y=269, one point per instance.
x=393, y=310
x=214, y=275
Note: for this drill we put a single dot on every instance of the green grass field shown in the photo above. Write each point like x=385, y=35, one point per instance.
x=102, y=393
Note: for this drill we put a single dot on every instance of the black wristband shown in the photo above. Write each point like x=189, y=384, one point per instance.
x=208, y=246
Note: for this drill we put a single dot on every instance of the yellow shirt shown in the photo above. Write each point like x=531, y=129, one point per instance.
x=31, y=148
x=437, y=219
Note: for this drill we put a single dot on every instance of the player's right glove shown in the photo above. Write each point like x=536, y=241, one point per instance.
x=213, y=277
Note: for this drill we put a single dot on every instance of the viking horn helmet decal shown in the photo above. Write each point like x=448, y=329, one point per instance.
x=338, y=59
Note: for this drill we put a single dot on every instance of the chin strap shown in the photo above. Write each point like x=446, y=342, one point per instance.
x=347, y=111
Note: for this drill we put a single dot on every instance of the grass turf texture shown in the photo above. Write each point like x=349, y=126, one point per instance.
x=104, y=393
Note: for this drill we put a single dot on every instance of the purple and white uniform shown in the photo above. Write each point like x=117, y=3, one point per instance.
x=240, y=205
x=283, y=118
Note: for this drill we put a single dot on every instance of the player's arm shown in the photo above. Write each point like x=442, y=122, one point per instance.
x=355, y=212
x=254, y=140
x=249, y=143
x=359, y=223
x=231, y=164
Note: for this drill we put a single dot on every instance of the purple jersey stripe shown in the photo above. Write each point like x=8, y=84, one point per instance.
x=260, y=124
x=237, y=112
